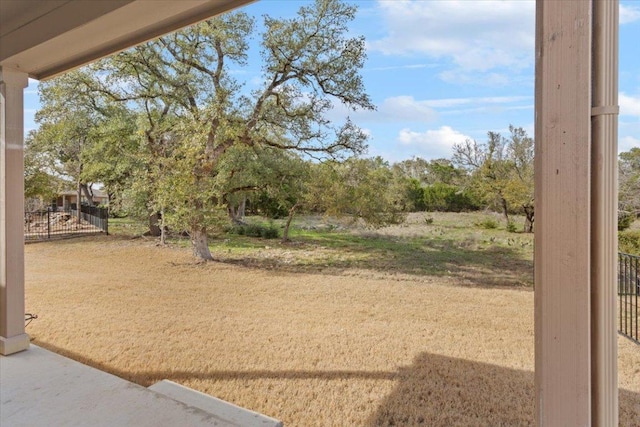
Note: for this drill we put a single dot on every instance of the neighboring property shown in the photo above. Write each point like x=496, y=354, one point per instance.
x=65, y=200
x=68, y=199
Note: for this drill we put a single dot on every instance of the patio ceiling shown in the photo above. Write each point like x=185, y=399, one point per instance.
x=48, y=37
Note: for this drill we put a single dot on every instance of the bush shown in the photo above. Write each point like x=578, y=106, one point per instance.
x=488, y=224
x=447, y=198
x=625, y=220
x=511, y=227
x=629, y=242
x=255, y=230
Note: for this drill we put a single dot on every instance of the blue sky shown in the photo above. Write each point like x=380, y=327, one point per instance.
x=443, y=71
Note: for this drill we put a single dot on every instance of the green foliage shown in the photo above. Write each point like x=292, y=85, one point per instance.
x=511, y=227
x=39, y=182
x=415, y=195
x=501, y=171
x=629, y=242
x=83, y=137
x=265, y=204
x=255, y=230
x=629, y=184
x=429, y=172
x=413, y=249
x=487, y=224
x=363, y=189
x=625, y=220
x=208, y=144
x=447, y=198
x=126, y=226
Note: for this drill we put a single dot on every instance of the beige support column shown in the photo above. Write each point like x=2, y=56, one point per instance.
x=12, y=333
x=563, y=216
x=604, y=214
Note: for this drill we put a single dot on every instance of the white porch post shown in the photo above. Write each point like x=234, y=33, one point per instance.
x=576, y=210
x=12, y=307
x=604, y=214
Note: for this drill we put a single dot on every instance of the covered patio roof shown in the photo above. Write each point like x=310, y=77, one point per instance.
x=46, y=38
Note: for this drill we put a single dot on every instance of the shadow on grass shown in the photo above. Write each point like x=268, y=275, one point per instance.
x=473, y=263
x=444, y=391
x=434, y=391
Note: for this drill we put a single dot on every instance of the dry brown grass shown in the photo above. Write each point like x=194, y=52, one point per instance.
x=311, y=349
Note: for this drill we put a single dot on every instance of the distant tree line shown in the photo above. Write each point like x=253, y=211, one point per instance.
x=177, y=140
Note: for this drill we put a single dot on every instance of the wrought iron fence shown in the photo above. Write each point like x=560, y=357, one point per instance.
x=629, y=295
x=48, y=224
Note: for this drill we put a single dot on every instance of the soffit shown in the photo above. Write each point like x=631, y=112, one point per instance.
x=47, y=37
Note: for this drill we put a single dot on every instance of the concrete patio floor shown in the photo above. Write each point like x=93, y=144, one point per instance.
x=39, y=387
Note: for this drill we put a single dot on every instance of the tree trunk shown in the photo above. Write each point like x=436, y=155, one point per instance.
x=200, y=244
x=87, y=194
x=231, y=211
x=78, y=206
x=241, y=209
x=528, y=220
x=163, y=230
x=285, y=233
x=505, y=209
x=236, y=214
x=154, y=225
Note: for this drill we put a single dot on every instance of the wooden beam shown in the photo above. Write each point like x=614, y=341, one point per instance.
x=563, y=215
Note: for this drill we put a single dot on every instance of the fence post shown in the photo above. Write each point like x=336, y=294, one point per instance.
x=49, y=224
x=629, y=296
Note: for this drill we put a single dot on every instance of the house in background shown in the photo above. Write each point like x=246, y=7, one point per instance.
x=64, y=200
x=68, y=199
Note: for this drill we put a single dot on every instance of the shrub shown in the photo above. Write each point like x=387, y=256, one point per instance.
x=488, y=224
x=255, y=230
x=447, y=198
x=629, y=242
x=625, y=220
x=511, y=227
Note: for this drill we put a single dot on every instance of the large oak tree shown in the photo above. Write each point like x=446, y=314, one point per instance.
x=309, y=63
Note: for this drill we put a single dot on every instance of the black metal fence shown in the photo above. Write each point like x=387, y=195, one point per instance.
x=629, y=295
x=48, y=224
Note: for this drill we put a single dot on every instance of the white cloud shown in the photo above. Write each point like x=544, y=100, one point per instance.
x=392, y=110
x=627, y=143
x=407, y=109
x=457, y=102
x=629, y=105
x=629, y=14
x=475, y=36
x=401, y=67
x=435, y=142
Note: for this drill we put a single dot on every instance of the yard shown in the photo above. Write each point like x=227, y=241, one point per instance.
x=430, y=323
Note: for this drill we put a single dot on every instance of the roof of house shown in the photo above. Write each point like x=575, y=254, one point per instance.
x=96, y=193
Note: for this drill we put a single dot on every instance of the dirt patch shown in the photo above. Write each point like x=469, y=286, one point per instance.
x=366, y=349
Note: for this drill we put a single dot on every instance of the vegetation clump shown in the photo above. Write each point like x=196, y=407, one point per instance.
x=255, y=230
x=629, y=242
x=487, y=224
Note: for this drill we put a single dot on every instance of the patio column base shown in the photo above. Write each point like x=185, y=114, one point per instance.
x=14, y=344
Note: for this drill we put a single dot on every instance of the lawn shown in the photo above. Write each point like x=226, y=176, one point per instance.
x=421, y=324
